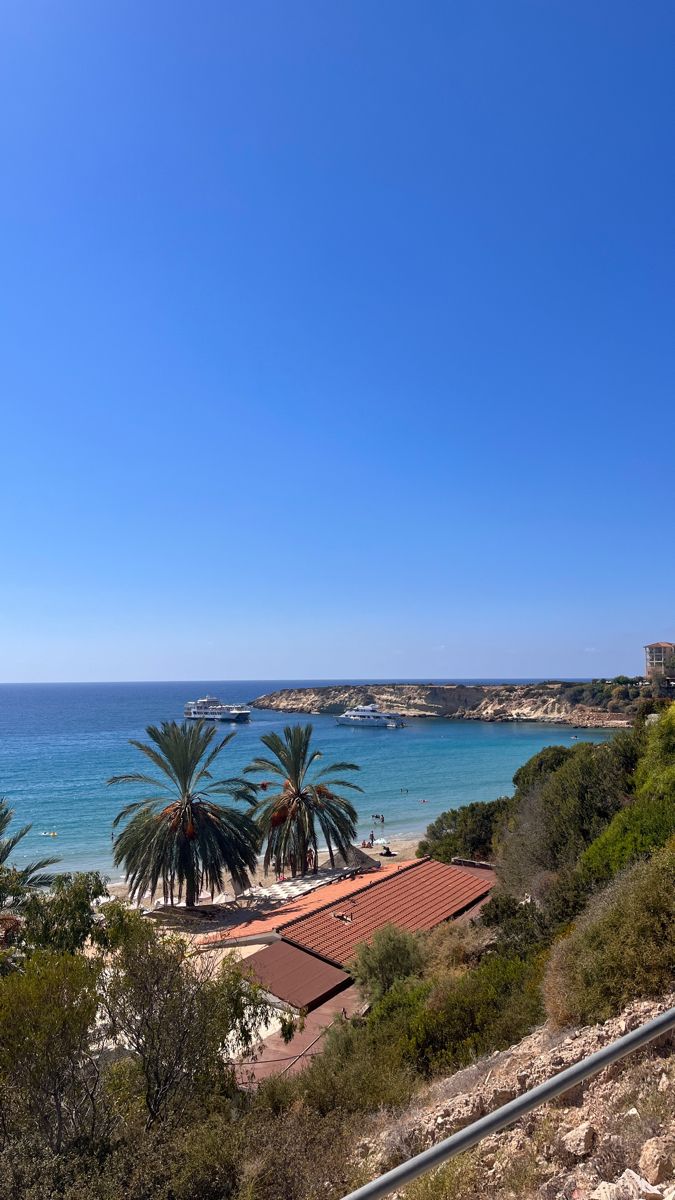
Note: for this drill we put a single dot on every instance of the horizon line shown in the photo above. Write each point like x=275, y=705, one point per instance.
x=324, y=681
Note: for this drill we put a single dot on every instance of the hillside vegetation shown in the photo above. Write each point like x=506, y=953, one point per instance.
x=581, y=924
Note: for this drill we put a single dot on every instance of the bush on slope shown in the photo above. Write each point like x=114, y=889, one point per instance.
x=621, y=948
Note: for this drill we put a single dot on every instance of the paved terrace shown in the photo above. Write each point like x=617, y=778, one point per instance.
x=277, y=1057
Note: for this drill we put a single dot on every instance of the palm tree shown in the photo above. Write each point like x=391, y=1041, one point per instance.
x=18, y=880
x=288, y=817
x=179, y=834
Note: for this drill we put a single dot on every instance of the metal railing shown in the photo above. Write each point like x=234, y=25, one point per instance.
x=464, y=1139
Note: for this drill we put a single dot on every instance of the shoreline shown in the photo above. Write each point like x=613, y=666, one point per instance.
x=403, y=849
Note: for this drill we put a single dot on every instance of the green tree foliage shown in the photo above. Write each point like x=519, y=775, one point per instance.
x=538, y=768
x=655, y=775
x=15, y=882
x=559, y=817
x=621, y=694
x=64, y=918
x=49, y=1073
x=645, y=825
x=178, y=835
x=392, y=954
x=183, y=1022
x=460, y=1019
x=466, y=832
x=642, y=826
x=621, y=948
x=303, y=802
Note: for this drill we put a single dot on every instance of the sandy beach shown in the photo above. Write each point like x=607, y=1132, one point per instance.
x=403, y=848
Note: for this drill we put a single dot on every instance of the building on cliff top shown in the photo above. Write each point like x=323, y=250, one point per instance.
x=660, y=660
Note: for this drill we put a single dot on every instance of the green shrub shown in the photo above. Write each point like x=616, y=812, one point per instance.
x=392, y=954
x=558, y=818
x=466, y=832
x=643, y=826
x=453, y=946
x=621, y=948
x=297, y=1156
x=361, y=1068
x=520, y=926
x=656, y=772
x=486, y=1009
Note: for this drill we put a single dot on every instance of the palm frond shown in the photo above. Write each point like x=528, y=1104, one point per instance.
x=182, y=840
x=288, y=818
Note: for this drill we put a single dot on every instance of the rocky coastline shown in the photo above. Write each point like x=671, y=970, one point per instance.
x=451, y=701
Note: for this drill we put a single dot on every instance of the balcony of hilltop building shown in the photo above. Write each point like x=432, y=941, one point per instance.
x=660, y=660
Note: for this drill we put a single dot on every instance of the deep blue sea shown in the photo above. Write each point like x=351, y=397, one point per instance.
x=59, y=743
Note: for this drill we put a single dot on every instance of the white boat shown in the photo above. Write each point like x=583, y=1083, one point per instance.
x=369, y=716
x=210, y=708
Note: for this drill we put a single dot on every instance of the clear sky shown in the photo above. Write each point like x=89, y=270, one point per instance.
x=336, y=339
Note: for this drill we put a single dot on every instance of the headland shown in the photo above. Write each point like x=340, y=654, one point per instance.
x=556, y=702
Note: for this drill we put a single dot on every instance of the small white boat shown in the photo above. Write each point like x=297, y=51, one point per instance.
x=210, y=708
x=369, y=716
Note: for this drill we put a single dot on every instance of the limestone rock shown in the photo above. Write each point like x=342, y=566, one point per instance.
x=628, y=1186
x=633, y=1187
x=500, y=1095
x=656, y=1160
x=606, y=1191
x=560, y=1187
x=463, y=1110
x=580, y=1141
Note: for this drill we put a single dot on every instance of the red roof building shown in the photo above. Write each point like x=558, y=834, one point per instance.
x=300, y=979
x=419, y=896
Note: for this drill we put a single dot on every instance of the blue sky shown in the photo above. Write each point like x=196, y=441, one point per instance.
x=336, y=339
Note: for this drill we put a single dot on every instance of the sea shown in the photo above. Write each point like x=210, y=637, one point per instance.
x=60, y=743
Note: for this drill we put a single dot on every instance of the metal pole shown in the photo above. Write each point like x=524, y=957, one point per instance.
x=464, y=1139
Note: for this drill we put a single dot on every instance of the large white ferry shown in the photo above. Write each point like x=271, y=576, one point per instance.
x=369, y=716
x=210, y=708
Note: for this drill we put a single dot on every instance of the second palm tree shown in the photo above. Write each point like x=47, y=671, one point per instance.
x=303, y=804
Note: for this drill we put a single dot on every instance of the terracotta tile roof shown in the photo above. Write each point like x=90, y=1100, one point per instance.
x=660, y=645
x=294, y=975
x=261, y=921
x=420, y=895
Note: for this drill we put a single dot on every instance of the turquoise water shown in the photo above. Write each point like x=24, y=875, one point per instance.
x=60, y=742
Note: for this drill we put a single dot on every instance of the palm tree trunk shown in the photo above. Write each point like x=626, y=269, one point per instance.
x=190, y=891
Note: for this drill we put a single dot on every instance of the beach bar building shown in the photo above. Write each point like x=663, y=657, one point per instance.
x=419, y=896
x=302, y=957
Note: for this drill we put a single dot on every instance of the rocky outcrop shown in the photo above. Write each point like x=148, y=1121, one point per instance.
x=612, y=1138
x=475, y=702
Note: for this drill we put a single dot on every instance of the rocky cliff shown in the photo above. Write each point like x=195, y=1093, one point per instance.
x=476, y=702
